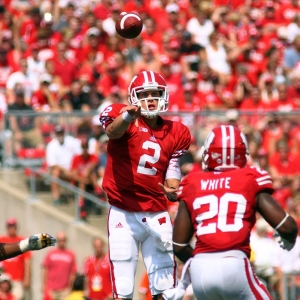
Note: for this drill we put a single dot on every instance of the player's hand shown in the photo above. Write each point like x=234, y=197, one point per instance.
x=171, y=193
x=283, y=243
x=37, y=242
x=133, y=110
x=173, y=294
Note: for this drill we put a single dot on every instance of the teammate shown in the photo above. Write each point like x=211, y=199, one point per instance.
x=219, y=206
x=34, y=242
x=142, y=169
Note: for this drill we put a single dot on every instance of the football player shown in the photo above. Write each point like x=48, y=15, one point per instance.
x=219, y=207
x=34, y=242
x=142, y=170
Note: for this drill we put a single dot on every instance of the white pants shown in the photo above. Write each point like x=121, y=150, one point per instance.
x=126, y=231
x=225, y=276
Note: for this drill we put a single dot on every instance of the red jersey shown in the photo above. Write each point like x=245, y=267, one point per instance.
x=222, y=207
x=15, y=266
x=97, y=272
x=138, y=161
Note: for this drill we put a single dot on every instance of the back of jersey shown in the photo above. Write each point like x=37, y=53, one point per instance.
x=222, y=207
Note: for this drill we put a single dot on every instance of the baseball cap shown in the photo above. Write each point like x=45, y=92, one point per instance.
x=172, y=8
x=191, y=75
x=186, y=35
x=5, y=277
x=59, y=129
x=115, y=7
x=11, y=221
x=93, y=31
x=165, y=60
x=174, y=44
x=45, y=77
x=187, y=87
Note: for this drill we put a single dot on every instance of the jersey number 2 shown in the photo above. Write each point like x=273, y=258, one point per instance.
x=221, y=211
x=148, y=158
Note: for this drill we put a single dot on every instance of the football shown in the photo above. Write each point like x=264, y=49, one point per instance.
x=129, y=25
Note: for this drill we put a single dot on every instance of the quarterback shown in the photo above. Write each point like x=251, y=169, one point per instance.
x=219, y=207
x=142, y=172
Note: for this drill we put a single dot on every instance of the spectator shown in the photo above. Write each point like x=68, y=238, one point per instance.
x=19, y=267
x=200, y=27
x=75, y=99
x=59, y=155
x=95, y=134
x=109, y=24
x=44, y=99
x=263, y=250
x=218, y=58
x=147, y=61
x=83, y=173
x=36, y=66
x=25, y=128
x=58, y=270
x=27, y=82
x=6, y=288
x=112, y=81
x=284, y=165
x=63, y=67
x=97, y=272
x=292, y=55
x=293, y=28
x=190, y=52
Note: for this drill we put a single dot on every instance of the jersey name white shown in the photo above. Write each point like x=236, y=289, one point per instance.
x=214, y=184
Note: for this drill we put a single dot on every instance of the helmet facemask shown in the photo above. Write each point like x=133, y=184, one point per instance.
x=163, y=100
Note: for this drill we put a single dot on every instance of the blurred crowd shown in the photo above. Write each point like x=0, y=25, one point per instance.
x=235, y=62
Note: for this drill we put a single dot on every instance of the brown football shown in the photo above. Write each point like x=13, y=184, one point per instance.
x=129, y=25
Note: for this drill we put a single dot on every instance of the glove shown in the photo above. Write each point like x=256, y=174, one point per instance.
x=37, y=242
x=173, y=294
x=178, y=292
x=283, y=243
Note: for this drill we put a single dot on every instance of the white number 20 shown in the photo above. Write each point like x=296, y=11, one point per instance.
x=220, y=210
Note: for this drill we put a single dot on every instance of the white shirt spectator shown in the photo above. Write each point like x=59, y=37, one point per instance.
x=62, y=154
x=288, y=261
x=35, y=68
x=28, y=82
x=200, y=32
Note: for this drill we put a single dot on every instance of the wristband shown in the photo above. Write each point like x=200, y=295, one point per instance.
x=24, y=245
x=127, y=117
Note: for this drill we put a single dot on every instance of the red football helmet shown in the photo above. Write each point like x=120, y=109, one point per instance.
x=149, y=81
x=225, y=148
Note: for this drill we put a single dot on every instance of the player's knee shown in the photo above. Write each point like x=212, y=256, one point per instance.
x=124, y=287
x=163, y=279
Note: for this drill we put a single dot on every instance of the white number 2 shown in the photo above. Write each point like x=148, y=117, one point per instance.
x=221, y=211
x=148, y=158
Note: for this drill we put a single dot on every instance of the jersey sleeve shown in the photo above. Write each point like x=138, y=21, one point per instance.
x=110, y=113
x=184, y=140
x=262, y=180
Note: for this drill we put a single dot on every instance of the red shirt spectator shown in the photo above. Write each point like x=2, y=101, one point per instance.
x=97, y=271
x=59, y=268
x=63, y=67
x=112, y=79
